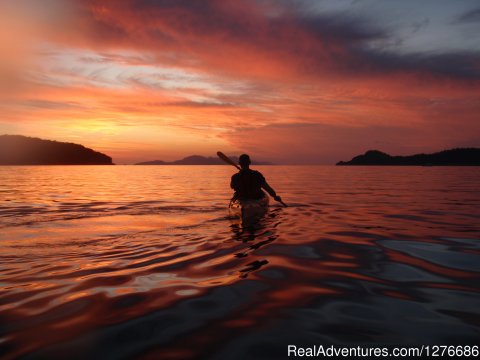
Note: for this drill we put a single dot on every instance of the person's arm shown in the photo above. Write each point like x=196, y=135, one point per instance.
x=233, y=183
x=270, y=191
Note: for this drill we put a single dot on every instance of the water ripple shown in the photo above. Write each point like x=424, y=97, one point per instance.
x=90, y=270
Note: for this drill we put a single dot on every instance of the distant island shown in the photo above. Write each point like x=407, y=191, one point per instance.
x=452, y=157
x=23, y=150
x=197, y=160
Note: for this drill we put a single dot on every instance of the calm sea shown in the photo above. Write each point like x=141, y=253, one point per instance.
x=143, y=261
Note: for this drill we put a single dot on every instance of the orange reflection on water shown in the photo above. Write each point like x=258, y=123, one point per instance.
x=147, y=250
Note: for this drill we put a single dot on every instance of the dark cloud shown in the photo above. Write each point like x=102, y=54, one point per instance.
x=354, y=34
x=344, y=29
x=453, y=65
x=204, y=17
x=470, y=16
x=204, y=6
x=271, y=39
x=420, y=25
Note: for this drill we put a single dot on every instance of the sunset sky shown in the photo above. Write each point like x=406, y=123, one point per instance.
x=286, y=81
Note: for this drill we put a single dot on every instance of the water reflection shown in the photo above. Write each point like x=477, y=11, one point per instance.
x=255, y=234
x=362, y=255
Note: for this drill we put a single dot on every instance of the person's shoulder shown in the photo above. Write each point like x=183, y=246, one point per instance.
x=257, y=173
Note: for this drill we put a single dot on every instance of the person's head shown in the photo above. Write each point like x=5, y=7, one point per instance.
x=244, y=161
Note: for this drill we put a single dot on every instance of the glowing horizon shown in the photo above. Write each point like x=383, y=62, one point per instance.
x=288, y=82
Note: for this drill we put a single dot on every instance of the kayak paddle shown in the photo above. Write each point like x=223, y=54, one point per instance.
x=281, y=202
x=227, y=159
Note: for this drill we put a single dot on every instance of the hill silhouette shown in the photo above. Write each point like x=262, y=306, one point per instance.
x=197, y=160
x=452, y=157
x=22, y=150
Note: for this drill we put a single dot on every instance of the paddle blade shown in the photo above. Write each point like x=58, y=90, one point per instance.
x=226, y=159
x=279, y=199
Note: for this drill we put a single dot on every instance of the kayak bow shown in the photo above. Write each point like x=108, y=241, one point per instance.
x=249, y=211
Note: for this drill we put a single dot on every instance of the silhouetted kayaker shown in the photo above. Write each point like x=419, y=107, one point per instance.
x=248, y=183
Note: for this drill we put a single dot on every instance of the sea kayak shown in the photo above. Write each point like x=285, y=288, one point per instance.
x=249, y=211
